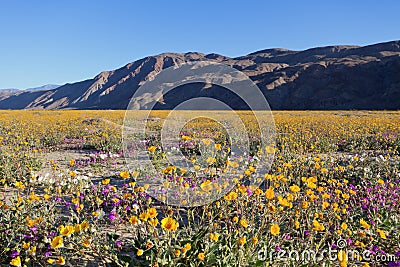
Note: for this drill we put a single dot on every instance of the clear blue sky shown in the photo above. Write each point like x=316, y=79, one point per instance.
x=58, y=41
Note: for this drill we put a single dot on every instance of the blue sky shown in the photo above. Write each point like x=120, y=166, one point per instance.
x=66, y=41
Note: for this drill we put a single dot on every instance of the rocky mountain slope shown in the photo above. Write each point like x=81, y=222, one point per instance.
x=333, y=77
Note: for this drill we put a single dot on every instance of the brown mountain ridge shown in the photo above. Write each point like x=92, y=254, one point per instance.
x=332, y=77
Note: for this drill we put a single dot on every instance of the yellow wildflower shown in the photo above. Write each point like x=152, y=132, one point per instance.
x=364, y=224
x=124, y=175
x=57, y=242
x=269, y=193
x=244, y=223
x=201, y=256
x=275, y=229
x=16, y=261
x=214, y=236
x=169, y=224
x=242, y=241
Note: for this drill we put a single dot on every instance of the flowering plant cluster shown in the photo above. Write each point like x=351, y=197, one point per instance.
x=320, y=190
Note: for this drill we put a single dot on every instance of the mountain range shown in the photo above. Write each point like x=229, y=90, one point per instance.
x=326, y=78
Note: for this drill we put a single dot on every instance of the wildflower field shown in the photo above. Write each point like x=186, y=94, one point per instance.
x=67, y=196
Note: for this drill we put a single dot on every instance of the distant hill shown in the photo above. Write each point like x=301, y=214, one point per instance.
x=40, y=88
x=332, y=77
x=9, y=90
x=43, y=87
